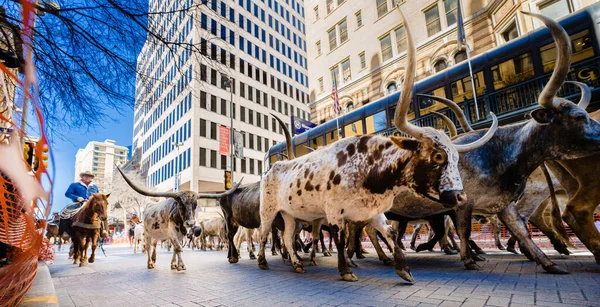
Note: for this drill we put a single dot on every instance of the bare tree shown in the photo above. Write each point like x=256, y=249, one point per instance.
x=122, y=194
x=86, y=52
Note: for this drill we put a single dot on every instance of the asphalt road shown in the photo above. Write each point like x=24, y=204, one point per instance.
x=122, y=279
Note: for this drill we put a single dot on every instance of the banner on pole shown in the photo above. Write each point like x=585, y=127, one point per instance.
x=238, y=142
x=224, y=140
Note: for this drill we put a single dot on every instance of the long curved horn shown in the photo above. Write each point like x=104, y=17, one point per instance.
x=462, y=119
x=220, y=195
x=288, y=138
x=144, y=191
x=586, y=94
x=449, y=123
x=400, y=118
x=561, y=66
x=484, y=139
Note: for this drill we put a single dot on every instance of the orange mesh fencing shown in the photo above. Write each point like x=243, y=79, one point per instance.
x=22, y=224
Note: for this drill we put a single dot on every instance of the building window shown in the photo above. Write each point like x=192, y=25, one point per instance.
x=363, y=60
x=213, y=131
x=243, y=165
x=223, y=107
x=382, y=8
x=358, y=19
x=252, y=166
x=386, y=48
x=510, y=33
x=451, y=13
x=460, y=56
x=334, y=74
x=318, y=48
x=346, y=71
x=316, y=9
x=332, y=39
x=432, y=18
x=391, y=88
x=223, y=162
x=329, y=6
x=213, y=159
x=439, y=66
x=556, y=8
x=203, y=127
x=202, y=156
x=321, y=89
x=401, y=39
x=343, y=31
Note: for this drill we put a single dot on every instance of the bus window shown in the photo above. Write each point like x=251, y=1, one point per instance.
x=301, y=150
x=427, y=105
x=376, y=122
x=463, y=89
x=356, y=128
x=411, y=113
x=317, y=142
x=582, y=49
x=331, y=137
x=273, y=158
x=513, y=71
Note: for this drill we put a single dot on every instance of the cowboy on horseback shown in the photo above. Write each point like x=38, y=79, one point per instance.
x=79, y=191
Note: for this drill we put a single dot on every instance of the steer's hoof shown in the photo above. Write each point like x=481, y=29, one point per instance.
x=500, y=247
x=313, y=263
x=422, y=247
x=252, y=257
x=150, y=265
x=299, y=269
x=479, y=252
x=326, y=253
x=478, y=258
x=173, y=266
x=449, y=251
x=387, y=261
x=512, y=250
x=274, y=253
x=83, y=264
x=262, y=263
x=181, y=267
x=405, y=274
x=554, y=269
x=233, y=260
x=413, y=247
x=472, y=266
x=349, y=277
x=360, y=256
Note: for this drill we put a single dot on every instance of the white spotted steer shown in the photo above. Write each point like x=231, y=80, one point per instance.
x=356, y=179
x=168, y=219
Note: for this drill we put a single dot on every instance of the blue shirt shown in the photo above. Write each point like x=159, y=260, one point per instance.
x=75, y=190
x=92, y=188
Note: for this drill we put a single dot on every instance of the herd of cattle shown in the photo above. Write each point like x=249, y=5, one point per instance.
x=498, y=174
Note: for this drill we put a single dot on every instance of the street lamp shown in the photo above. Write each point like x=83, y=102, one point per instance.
x=176, y=185
x=228, y=83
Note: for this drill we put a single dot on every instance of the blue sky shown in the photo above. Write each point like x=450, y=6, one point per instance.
x=64, y=150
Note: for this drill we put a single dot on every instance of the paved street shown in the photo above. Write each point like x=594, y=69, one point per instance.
x=121, y=279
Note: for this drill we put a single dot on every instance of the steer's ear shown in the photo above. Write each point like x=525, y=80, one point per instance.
x=542, y=116
x=406, y=143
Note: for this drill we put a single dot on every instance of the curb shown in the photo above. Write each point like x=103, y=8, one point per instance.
x=42, y=292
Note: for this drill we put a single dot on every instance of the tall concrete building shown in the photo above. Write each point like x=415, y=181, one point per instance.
x=363, y=43
x=100, y=158
x=183, y=101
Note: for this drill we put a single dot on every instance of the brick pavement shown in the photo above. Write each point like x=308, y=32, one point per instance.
x=122, y=279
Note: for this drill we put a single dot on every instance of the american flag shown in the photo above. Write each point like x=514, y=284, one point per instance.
x=334, y=95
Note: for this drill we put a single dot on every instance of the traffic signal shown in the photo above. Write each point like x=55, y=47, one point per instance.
x=45, y=156
x=28, y=153
x=227, y=180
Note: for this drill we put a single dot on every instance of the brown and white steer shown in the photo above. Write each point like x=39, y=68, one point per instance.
x=356, y=179
x=168, y=219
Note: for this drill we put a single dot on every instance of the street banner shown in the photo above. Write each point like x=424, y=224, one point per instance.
x=238, y=142
x=300, y=125
x=224, y=140
x=176, y=186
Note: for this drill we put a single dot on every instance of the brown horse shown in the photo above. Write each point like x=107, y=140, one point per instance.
x=86, y=227
x=52, y=231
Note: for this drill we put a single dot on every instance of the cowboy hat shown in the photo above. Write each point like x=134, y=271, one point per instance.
x=86, y=173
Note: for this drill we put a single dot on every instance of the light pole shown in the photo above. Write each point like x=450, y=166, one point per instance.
x=176, y=185
x=228, y=83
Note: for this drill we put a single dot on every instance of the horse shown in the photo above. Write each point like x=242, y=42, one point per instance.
x=52, y=231
x=87, y=225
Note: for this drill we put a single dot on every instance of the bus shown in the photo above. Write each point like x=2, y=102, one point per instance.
x=508, y=80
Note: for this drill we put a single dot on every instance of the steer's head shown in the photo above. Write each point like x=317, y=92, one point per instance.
x=567, y=131
x=432, y=170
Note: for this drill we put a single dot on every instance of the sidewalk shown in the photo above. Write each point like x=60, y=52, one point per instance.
x=42, y=292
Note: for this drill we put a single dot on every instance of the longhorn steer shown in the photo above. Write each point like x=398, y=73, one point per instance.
x=168, y=219
x=212, y=228
x=355, y=179
x=138, y=238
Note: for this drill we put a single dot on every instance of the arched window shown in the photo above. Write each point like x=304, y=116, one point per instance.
x=460, y=56
x=349, y=107
x=391, y=88
x=439, y=65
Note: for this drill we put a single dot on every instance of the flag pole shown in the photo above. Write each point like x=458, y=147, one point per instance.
x=336, y=109
x=462, y=39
